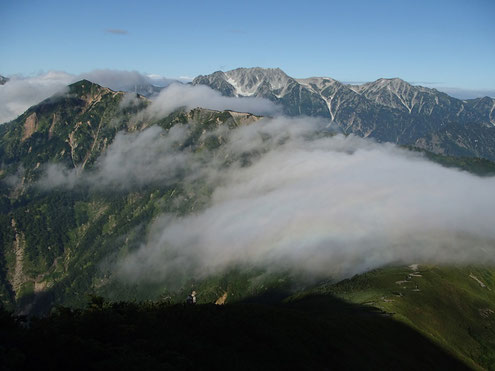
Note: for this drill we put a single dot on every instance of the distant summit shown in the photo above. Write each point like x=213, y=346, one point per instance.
x=3, y=79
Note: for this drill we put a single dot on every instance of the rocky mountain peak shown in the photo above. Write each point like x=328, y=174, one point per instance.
x=84, y=86
x=90, y=92
x=318, y=84
x=393, y=84
x=247, y=81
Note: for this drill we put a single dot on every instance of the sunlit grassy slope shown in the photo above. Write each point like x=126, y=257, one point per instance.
x=453, y=306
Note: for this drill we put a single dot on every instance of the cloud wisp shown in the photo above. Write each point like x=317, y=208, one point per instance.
x=131, y=162
x=177, y=95
x=116, y=31
x=19, y=93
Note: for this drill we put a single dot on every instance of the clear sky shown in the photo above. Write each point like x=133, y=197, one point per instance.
x=444, y=42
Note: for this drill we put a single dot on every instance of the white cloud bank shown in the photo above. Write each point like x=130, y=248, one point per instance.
x=19, y=93
x=325, y=206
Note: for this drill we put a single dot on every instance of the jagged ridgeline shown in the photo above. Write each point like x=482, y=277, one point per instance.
x=55, y=238
x=389, y=110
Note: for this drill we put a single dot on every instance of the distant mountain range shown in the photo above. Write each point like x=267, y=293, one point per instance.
x=389, y=110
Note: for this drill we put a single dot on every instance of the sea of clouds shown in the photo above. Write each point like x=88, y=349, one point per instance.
x=317, y=205
x=332, y=206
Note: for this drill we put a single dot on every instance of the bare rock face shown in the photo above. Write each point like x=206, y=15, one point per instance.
x=30, y=126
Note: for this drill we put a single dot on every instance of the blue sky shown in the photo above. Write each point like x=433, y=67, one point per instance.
x=437, y=43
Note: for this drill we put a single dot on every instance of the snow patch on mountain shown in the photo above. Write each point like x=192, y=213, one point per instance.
x=241, y=90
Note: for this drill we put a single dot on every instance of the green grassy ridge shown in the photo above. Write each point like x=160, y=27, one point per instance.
x=451, y=308
x=150, y=336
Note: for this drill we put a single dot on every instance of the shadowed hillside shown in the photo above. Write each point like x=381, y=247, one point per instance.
x=318, y=332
